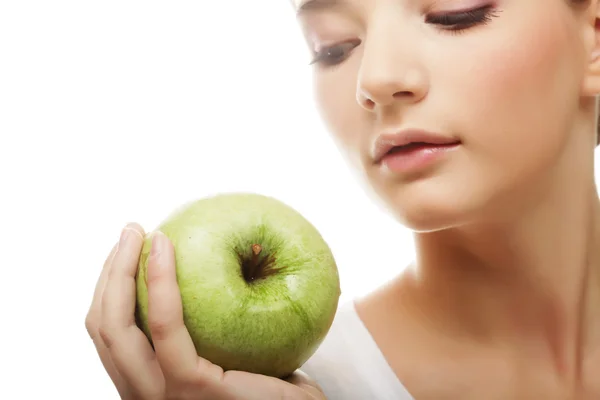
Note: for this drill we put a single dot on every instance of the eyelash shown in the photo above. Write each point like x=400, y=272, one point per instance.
x=326, y=58
x=463, y=20
x=455, y=22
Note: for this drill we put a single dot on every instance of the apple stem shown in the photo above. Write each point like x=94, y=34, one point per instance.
x=254, y=262
x=256, y=267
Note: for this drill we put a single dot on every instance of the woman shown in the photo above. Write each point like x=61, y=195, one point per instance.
x=475, y=123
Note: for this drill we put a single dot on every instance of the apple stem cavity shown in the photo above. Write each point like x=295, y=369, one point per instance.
x=256, y=267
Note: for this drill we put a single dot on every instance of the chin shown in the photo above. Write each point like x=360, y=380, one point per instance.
x=425, y=207
x=420, y=221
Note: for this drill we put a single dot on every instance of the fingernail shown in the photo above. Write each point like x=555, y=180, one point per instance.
x=125, y=235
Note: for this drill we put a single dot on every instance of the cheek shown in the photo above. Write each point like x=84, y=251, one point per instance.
x=521, y=88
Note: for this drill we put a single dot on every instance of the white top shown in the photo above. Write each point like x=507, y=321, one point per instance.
x=349, y=365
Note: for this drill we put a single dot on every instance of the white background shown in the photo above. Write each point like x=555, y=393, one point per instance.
x=118, y=111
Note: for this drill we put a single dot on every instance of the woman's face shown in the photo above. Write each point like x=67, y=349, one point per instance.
x=492, y=86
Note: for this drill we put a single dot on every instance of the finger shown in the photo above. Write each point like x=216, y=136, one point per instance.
x=172, y=343
x=92, y=322
x=93, y=316
x=303, y=381
x=249, y=386
x=129, y=348
x=118, y=302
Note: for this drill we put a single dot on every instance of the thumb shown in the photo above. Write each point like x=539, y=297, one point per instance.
x=173, y=345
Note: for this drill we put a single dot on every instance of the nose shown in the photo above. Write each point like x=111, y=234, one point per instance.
x=391, y=72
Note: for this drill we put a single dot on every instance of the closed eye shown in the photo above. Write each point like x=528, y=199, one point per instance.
x=460, y=20
x=335, y=54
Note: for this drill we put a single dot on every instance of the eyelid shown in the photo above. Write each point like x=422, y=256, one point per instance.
x=460, y=11
x=339, y=43
x=346, y=46
x=327, y=44
x=457, y=7
x=461, y=20
x=320, y=39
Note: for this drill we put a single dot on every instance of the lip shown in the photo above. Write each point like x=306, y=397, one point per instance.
x=388, y=141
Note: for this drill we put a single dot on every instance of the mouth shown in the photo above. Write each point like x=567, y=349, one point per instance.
x=416, y=146
x=414, y=157
x=409, y=142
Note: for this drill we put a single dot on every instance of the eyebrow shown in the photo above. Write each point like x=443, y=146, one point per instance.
x=312, y=6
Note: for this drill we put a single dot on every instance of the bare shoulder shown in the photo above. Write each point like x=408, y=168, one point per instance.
x=430, y=365
x=436, y=364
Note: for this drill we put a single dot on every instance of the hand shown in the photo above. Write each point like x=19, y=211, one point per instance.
x=172, y=370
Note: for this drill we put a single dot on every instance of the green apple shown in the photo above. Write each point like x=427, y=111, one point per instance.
x=259, y=284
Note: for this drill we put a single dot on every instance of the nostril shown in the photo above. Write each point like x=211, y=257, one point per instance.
x=401, y=95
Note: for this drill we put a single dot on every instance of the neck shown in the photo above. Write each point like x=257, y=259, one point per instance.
x=530, y=284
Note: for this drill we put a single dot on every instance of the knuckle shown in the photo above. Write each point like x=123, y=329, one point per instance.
x=107, y=336
x=153, y=277
x=91, y=325
x=159, y=328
